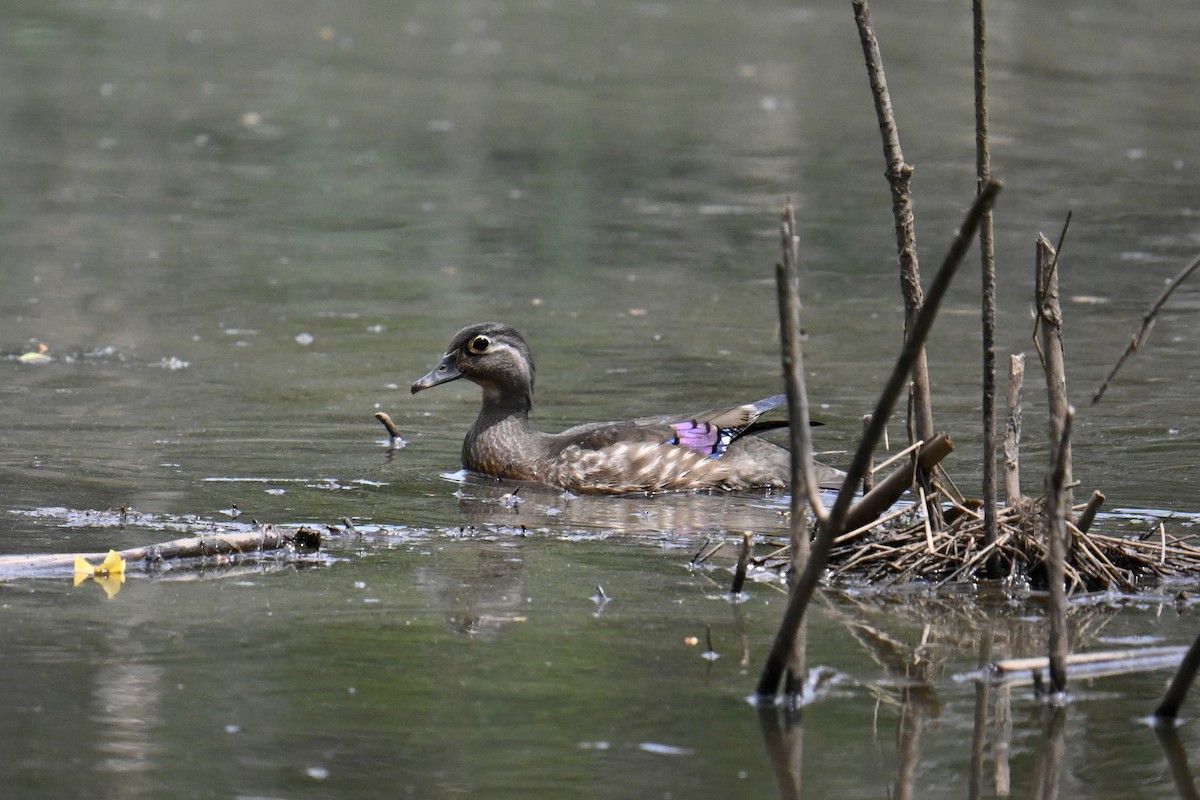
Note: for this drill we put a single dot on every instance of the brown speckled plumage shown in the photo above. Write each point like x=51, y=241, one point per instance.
x=601, y=457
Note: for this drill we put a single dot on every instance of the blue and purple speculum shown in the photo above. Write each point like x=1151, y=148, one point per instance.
x=703, y=437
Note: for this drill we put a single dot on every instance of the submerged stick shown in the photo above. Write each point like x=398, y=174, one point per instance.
x=1147, y=323
x=899, y=175
x=834, y=525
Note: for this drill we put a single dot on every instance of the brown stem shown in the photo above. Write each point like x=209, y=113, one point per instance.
x=1056, y=536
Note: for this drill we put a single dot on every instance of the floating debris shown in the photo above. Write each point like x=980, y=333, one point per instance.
x=39, y=356
x=110, y=573
x=600, y=598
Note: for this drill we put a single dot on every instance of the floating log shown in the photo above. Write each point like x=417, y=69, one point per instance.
x=264, y=539
x=1107, y=662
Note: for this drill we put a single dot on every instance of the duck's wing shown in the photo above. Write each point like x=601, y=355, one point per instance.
x=708, y=432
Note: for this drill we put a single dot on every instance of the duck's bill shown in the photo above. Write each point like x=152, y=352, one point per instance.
x=444, y=372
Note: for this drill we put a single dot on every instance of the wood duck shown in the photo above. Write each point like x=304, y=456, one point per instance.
x=710, y=450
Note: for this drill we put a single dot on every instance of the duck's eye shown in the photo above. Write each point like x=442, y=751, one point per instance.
x=479, y=344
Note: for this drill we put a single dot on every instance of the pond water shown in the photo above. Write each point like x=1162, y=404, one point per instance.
x=242, y=229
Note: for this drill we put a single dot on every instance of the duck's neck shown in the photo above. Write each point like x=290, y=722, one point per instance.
x=501, y=442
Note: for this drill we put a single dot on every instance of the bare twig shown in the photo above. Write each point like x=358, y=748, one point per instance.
x=893, y=459
x=1147, y=323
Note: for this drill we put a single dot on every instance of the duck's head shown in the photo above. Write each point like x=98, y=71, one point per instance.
x=489, y=354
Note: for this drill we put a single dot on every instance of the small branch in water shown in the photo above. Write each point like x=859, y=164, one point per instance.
x=1147, y=323
x=397, y=441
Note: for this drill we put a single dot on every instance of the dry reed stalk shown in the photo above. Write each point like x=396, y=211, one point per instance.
x=803, y=477
x=899, y=175
x=1050, y=342
x=983, y=170
x=1012, y=429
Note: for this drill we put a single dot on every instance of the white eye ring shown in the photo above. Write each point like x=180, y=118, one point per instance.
x=479, y=344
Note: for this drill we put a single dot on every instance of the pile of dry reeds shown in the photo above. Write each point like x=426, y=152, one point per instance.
x=908, y=548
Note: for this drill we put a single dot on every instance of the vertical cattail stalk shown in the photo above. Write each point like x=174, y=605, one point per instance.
x=983, y=169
